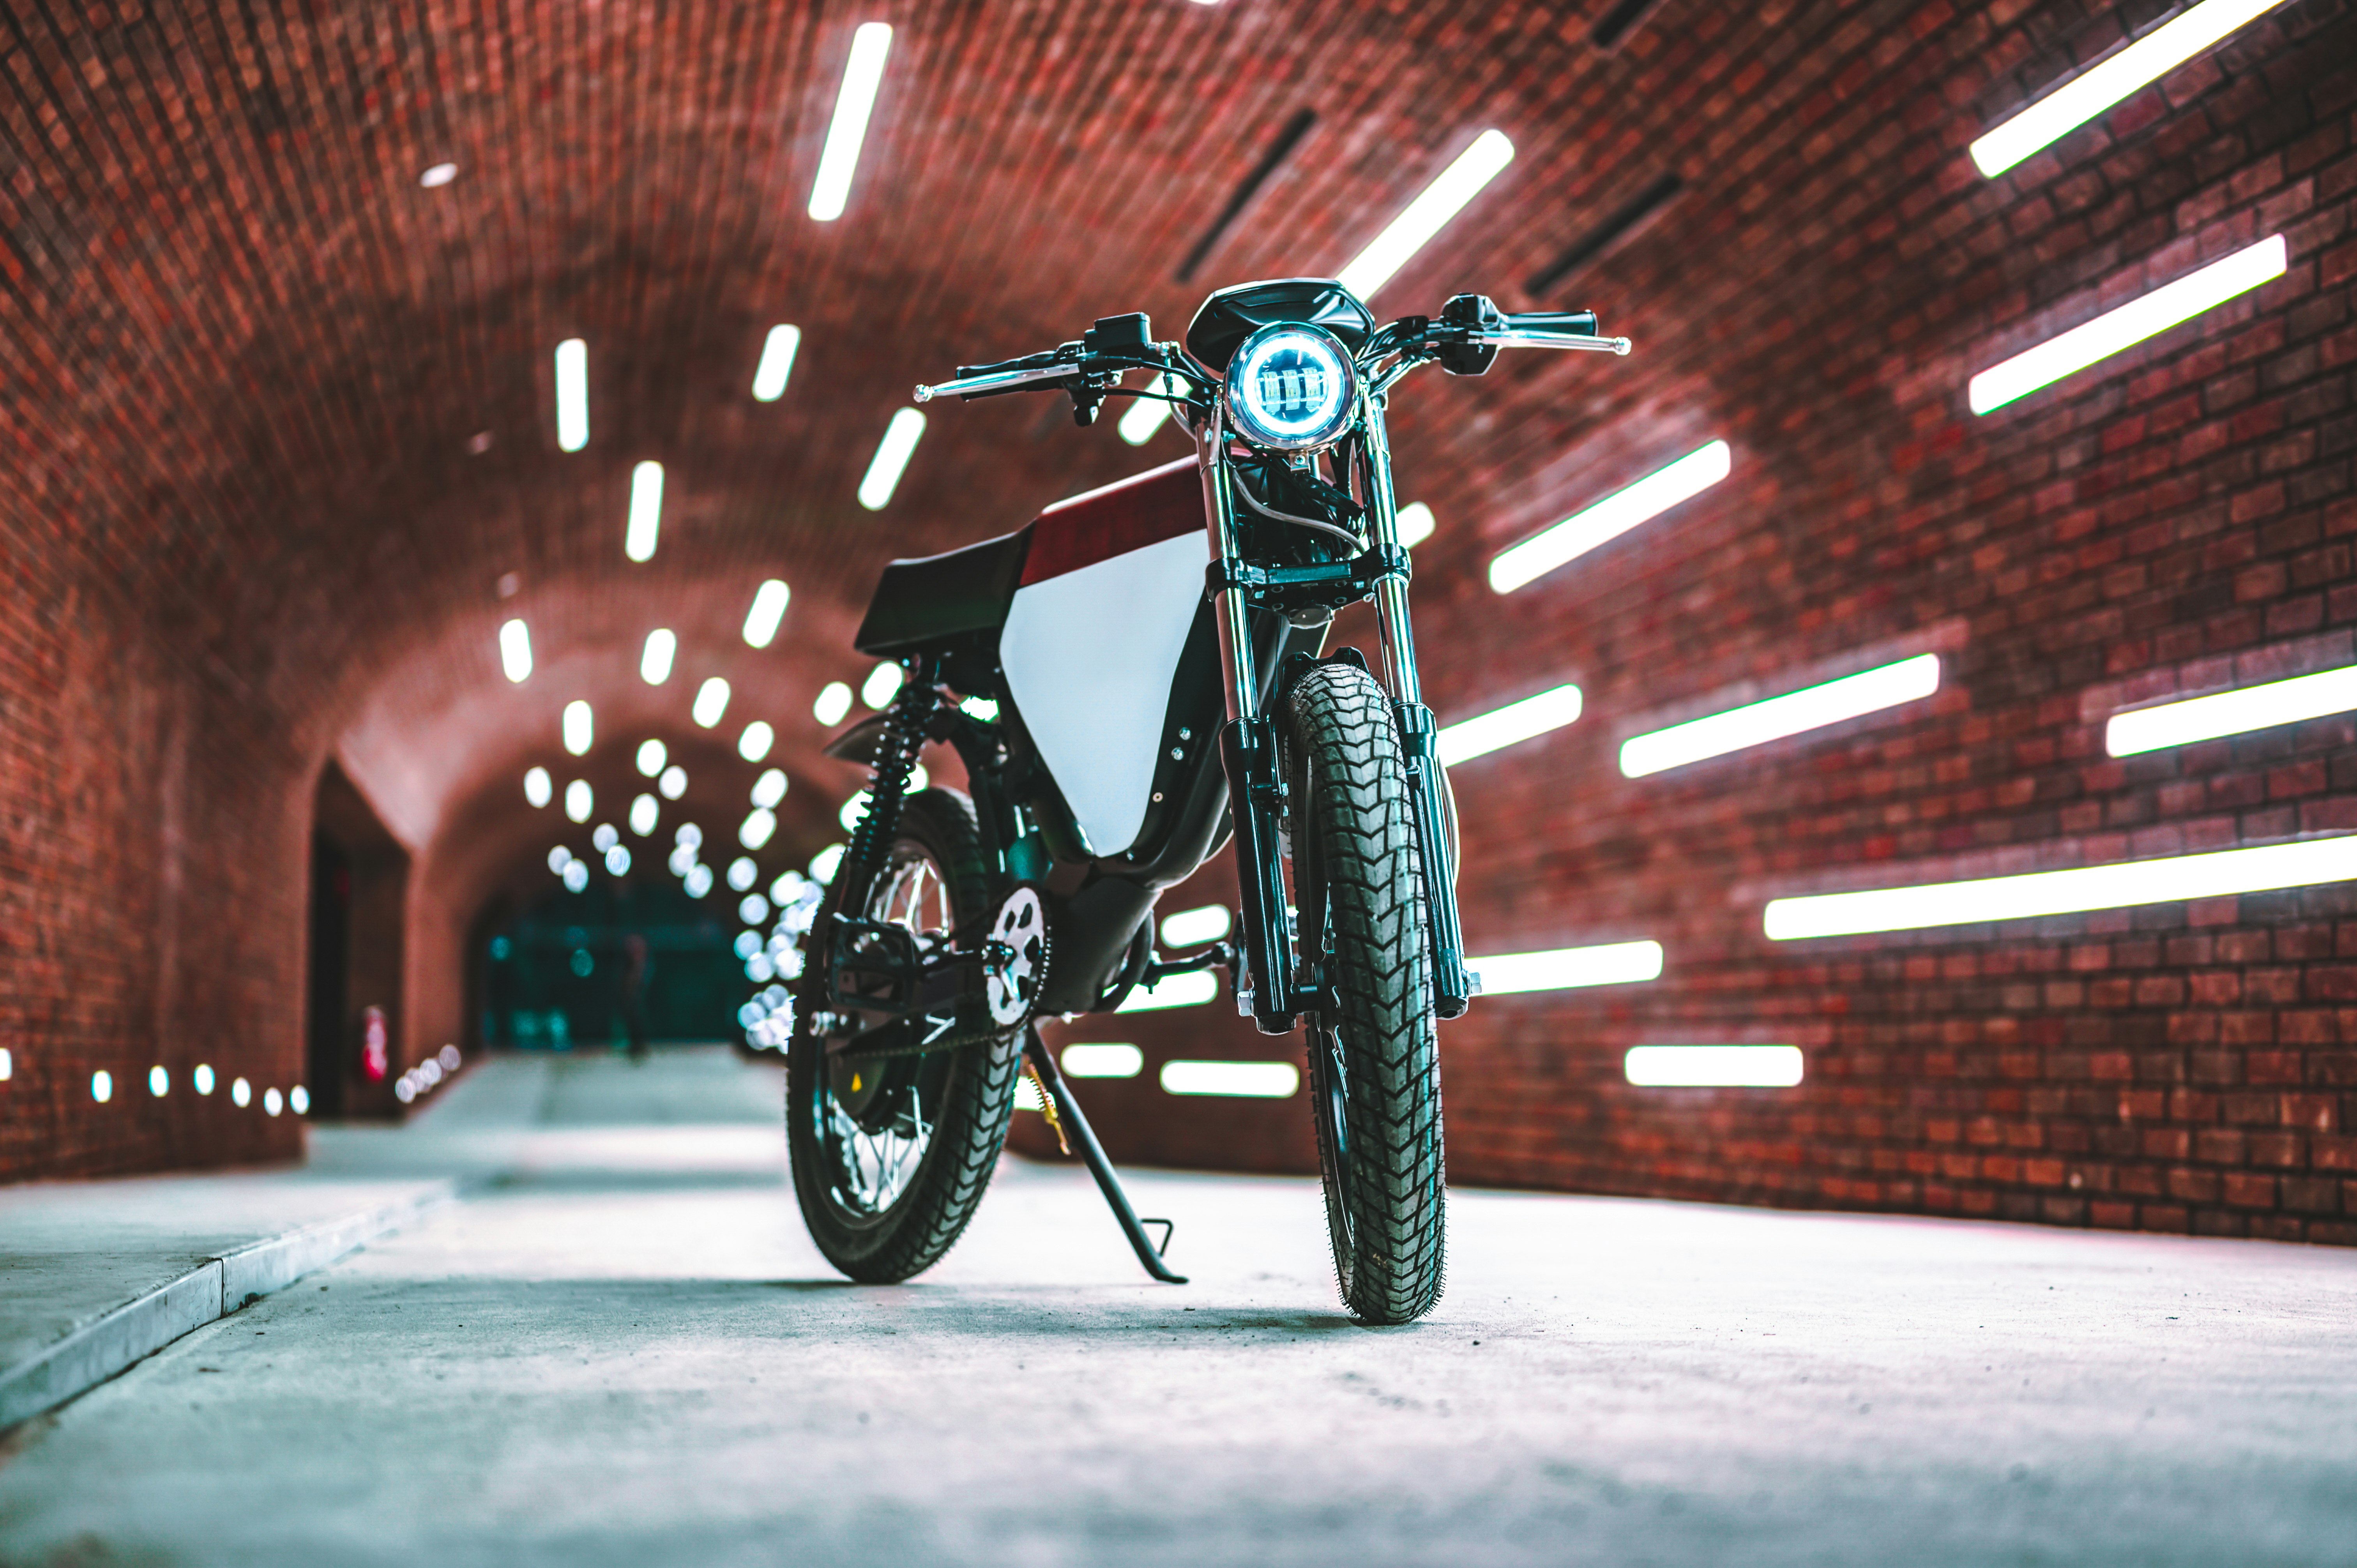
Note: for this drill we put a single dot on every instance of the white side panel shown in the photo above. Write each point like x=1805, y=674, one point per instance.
x=1090, y=658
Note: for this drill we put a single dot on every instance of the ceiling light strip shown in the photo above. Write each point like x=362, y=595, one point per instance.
x=2221, y=874
x=2127, y=326
x=1425, y=217
x=2093, y=90
x=1777, y=718
x=646, y=511
x=2231, y=713
x=1610, y=518
x=1564, y=968
x=863, y=74
x=1713, y=1067
x=777, y=363
x=573, y=394
x=891, y=458
x=1467, y=739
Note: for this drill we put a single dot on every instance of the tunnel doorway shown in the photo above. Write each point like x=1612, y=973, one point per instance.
x=563, y=971
x=360, y=909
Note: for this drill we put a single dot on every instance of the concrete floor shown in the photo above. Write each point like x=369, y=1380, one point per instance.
x=625, y=1351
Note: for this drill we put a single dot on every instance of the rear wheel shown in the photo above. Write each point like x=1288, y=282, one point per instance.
x=1374, y=1060
x=891, y=1157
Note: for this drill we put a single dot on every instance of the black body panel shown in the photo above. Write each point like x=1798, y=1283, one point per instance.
x=924, y=603
x=1233, y=314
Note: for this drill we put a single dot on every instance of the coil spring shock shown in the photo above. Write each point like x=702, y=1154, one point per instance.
x=896, y=759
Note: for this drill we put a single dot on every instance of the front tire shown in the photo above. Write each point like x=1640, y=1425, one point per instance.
x=890, y=1158
x=1374, y=1057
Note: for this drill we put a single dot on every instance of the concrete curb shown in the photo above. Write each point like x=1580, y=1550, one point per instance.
x=145, y=1325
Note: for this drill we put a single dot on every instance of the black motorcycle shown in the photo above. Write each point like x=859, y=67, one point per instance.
x=1087, y=670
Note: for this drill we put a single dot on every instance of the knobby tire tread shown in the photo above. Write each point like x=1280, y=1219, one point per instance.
x=1349, y=795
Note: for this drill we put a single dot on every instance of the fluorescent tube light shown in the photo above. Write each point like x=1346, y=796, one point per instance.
x=834, y=702
x=538, y=789
x=863, y=73
x=1756, y=723
x=2231, y=713
x=652, y=755
x=2217, y=874
x=573, y=394
x=882, y=683
x=673, y=784
x=1414, y=525
x=645, y=812
x=711, y=701
x=755, y=742
x=1713, y=1067
x=770, y=787
x=1238, y=1081
x=1562, y=969
x=437, y=175
x=1476, y=166
x=1146, y=415
x=1193, y=927
x=515, y=650
x=646, y=511
x=579, y=801
x=2099, y=87
x=1103, y=1060
x=579, y=728
x=754, y=829
x=892, y=456
x=769, y=608
x=1191, y=990
x=1610, y=518
x=654, y=664
x=777, y=363
x=1550, y=710
x=2127, y=326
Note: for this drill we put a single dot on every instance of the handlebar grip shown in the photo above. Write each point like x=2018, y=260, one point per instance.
x=1579, y=323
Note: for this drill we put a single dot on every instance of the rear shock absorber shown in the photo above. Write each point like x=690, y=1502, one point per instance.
x=896, y=759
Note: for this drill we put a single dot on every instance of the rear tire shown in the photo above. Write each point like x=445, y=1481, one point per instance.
x=1374, y=1060
x=876, y=1219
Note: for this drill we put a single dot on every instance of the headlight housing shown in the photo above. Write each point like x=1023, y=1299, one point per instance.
x=1291, y=387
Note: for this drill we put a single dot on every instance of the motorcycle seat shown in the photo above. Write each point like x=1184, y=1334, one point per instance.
x=923, y=602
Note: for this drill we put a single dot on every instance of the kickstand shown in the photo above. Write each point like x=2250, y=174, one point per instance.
x=1043, y=1065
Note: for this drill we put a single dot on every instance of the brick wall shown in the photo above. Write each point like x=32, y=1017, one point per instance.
x=280, y=460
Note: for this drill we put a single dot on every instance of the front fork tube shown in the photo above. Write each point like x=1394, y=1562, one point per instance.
x=1419, y=735
x=1256, y=796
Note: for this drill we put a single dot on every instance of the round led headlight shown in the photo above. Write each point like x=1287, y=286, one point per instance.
x=1291, y=387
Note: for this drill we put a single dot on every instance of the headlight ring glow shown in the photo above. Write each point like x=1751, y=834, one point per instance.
x=1291, y=387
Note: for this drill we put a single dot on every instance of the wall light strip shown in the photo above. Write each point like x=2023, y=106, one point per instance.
x=1105, y=1060
x=1610, y=518
x=769, y=601
x=579, y=726
x=1241, y=1081
x=1191, y=990
x=711, y=701
x=777, y=363
x=573, y=394
x=2127, y=324
x=892, y=456
x=1562, y=969
x=515, y=650
x=1550, y=710
x=2095, y=90
x=2214, y=875
x=863, y=73
x=1811, y=708
x=1196, y=927
x=1414, y=525
x=2231, y=713
x=1441, y=201
x=1713, y=1067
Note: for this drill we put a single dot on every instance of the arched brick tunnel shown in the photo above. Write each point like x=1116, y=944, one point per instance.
x=282, y=458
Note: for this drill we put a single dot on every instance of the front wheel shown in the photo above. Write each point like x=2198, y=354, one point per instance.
x=1374, y=1057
